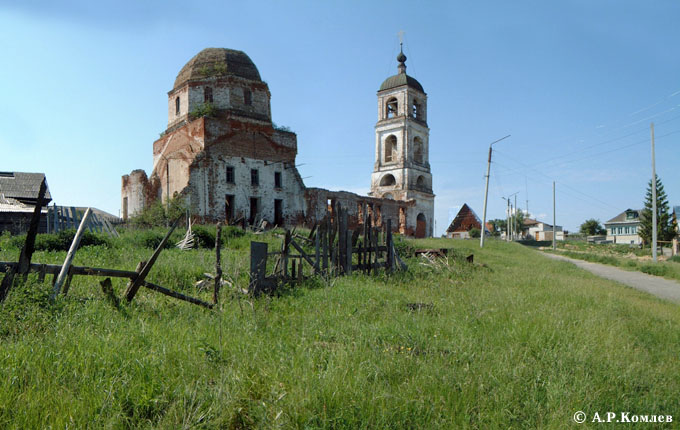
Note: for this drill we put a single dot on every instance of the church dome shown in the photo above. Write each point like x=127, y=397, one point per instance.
x=399, y=80
x=216, y=62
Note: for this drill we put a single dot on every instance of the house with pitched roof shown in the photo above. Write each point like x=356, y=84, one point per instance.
x=624, y=227
x=18, y=197
x=539, y=230
x=465, y=220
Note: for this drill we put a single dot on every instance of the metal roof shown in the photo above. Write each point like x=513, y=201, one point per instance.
x=22, y=186
x=623, y=218
x=399, y=80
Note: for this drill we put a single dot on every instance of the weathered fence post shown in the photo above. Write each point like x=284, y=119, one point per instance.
x=284, y=251
x=107, y=289
x=369, y=241
x=324, y=240
x=348, y=252
x=389, y=265
x=71, y=253
x=317, y=243
x=42, y=272
x=74, y=217
x=258, y=266
x=342, y=239
x=218, y=266
x=375, y=246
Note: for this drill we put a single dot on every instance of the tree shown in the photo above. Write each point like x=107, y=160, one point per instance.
x=475, y=232
x=592, y=227
x=498, y=226
x=664, y=227
x=517, y=222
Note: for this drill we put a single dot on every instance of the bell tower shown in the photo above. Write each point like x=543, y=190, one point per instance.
x=402, y=168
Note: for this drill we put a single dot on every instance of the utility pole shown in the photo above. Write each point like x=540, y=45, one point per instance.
x=510, y=221
x=554, y=218
x=514, y=220
x=507, y=219
x=486, y=192
x=512, y=227
x=653, y=198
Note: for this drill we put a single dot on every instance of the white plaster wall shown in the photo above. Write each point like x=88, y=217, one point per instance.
x=426, y=207
x=210, y=188
x=220, y=96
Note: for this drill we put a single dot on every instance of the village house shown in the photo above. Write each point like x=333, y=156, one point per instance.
x=465, y=220
x=539, y=230
x=18, y=198
x=624, y=227
x=224, y=156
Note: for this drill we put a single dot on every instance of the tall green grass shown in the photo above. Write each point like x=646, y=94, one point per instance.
x=513, y=341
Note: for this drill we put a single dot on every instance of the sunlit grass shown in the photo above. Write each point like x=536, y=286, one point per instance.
x=515, y=340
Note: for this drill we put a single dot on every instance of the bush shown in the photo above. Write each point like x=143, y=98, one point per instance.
x=159, y=214
x=61, y=241
x=403, y=247
x=151, y=239
x=204, y=235
x=205, y=109
x=654, y=269
x=475, y=232
x=675, y=258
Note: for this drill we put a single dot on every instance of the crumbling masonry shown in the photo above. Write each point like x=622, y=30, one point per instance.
x=222, y=153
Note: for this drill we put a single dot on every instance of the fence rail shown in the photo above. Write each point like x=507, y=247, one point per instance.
x=336, y=251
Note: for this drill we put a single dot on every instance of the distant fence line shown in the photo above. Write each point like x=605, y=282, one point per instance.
x=61, y=218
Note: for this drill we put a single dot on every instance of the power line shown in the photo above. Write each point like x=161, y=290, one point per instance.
x=574, y=190
x=548, y=160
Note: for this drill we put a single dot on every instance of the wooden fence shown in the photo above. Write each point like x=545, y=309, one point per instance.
x=332, y=249
x=63, y=274
x=67, y=217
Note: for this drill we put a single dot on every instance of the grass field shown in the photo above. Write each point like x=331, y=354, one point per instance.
x=514, y=341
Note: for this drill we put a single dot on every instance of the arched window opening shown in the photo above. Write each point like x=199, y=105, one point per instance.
x=421, y=225
x=390, y=148
x=177, y=105
x=415, y=110
x=420, y=182
x=387, y=180
x=392, y=108
x=418, y=150
x=207, y=95
x=247, y=97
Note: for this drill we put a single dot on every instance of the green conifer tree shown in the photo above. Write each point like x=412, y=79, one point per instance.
x=663, y=217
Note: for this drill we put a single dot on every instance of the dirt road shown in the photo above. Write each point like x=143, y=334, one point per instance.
x=660, y=287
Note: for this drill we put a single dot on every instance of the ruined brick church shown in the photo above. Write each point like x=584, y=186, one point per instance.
x=222, y=153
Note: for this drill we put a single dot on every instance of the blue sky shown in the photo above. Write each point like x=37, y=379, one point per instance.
x=576, y=83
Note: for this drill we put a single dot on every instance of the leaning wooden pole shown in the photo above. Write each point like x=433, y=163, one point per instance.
x=133, y=285
x=27, y=250
x=218, y=266
x=71, y=253
x=29, y=245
